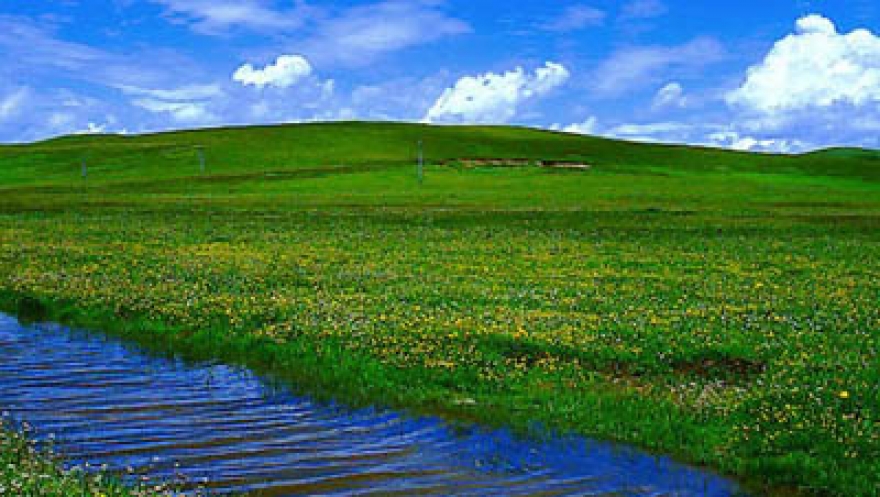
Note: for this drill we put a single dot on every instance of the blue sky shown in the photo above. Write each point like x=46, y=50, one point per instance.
x=759, y=75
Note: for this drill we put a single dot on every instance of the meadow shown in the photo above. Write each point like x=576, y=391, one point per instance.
x=717, y=306
x=27, y=472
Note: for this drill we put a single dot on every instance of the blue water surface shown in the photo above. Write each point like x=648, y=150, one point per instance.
x=215, y=429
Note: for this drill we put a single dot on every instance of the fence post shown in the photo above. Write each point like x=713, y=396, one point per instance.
x=421, y=167
x=201, y=151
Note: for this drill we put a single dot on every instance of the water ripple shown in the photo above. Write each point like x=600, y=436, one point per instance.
x=222, y=430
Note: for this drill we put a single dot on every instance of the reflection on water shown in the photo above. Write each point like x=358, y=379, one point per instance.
x=103, y=402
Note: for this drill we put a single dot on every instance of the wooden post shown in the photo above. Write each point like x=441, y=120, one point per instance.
x=201, y=152
x=421, y=167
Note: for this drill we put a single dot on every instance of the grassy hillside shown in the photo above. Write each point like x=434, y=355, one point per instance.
x=237, y=151
x=846, y=153
x=717, y=306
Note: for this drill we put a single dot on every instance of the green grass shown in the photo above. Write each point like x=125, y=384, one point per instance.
x=717, y=306
x=254, y=150
x=25, y=472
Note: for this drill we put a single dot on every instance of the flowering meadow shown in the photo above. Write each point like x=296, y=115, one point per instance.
x=25, y=472
x=727, y=318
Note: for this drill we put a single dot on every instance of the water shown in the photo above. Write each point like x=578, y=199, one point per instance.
x=218, y=429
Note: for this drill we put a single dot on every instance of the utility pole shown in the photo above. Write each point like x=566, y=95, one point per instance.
x=201, y=151
x=85, y=182
x=420, y=171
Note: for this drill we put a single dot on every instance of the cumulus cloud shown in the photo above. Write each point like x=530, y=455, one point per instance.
x=574, y=18
x=495, y=98
x=671, y=95
x=284, y=73
x=652, y=132
x=93, y=128
x=814, y=87
x=702, y=133
x=634, y=67
x=816, y=67
x=736, y=141
x=588, y=127
x=730, y=136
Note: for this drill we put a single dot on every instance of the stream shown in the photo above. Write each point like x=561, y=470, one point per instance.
x=100, y=402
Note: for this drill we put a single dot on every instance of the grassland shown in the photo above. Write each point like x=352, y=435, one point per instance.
x=25, y=472
x=718, y=306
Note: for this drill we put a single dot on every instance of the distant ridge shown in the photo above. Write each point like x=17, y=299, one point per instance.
x=280, y=148
x=846, y=152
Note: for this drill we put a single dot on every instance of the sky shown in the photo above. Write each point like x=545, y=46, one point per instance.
x=768, y=75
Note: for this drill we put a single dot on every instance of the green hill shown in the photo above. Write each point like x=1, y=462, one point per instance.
x=261, y=149
x=846, y=153
x=715, y=306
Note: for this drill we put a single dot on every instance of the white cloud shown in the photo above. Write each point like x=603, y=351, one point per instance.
x=649, y=129
x=11, y=104
x=41, y=113
x=328, y=88
x=32, y=49
x=671, y=95
x=656, y=132
x=816, y=67
x=217, y=16
x=643, y=9
x=495, y=98
x=574, y=18
x=363, y=33
x=186, y=104
x=588, y=127
x=734, y=140
x=38, y=46
x=633, y=67
x=188, y=92
x=187, y=112
x=704, y=133
x=92, y=129
x=815, y=23
x=284, y=73
x=60, y=120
